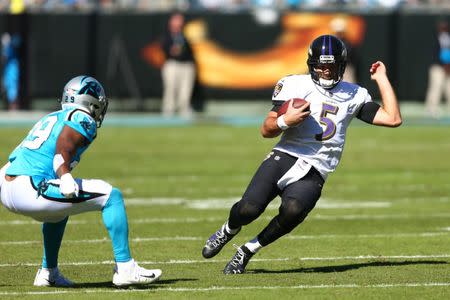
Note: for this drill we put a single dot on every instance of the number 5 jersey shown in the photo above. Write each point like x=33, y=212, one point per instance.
x=319, y=139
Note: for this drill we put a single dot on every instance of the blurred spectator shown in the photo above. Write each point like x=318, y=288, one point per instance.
x=17, y=7
x=178, y=71
x=439, y=71
x=228, y=6
x=293, y=4
x=11, y=69
x=211, y=4
x=339, y=27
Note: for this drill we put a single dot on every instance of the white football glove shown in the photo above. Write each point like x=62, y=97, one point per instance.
x=68, y=186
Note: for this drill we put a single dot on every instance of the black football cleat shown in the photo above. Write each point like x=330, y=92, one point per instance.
x=239, y=261
x=216, y=242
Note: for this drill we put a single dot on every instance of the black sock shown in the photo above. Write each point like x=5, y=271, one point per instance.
x=246, y=250
x=272, y=232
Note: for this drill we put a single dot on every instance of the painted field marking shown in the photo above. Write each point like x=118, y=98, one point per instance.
x=216, y=219
x=198, y=238
x=203, y=261
x=226, y=203
x=155, y=288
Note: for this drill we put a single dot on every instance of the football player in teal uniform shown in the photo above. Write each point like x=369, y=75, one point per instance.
x=37, y=182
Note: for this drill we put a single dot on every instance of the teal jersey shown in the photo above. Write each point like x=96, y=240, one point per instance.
x=34, y=156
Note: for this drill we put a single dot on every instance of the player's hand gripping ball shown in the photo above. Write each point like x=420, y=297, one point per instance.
x=295, y=102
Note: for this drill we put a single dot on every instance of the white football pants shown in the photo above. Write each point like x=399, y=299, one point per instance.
x=45, y=203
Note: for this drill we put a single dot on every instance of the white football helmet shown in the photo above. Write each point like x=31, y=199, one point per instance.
x=86, y=93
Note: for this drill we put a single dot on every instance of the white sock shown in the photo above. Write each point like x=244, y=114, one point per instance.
x=124, y=266
x=229, y=230
x=253, y=245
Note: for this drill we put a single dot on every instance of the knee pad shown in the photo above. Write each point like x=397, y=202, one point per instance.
x=250, y=211
x=292, y=213
x=243, y=213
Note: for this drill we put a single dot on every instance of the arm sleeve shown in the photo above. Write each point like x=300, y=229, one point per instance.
x=368, y=111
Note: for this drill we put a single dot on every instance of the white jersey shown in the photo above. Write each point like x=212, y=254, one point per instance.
x=319, y=140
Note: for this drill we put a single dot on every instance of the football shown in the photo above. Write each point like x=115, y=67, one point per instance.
x=296, y=103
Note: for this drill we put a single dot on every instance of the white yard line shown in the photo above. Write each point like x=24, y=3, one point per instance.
x=216, y=219
x=226, y=203
x=200, y=238
x=31, y=222
x=203, y=261
x=379, y=216
x=155, y=288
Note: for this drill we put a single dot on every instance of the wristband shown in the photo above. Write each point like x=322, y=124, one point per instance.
x=281, y=123
x=67, y=177
x=58, y=161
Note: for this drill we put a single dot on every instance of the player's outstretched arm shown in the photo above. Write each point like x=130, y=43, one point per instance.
x=389, y=112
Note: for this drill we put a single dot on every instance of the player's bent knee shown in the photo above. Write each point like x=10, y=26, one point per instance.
x=116, y=194
x=293, y=208
x=250, y=211
x=293, y=213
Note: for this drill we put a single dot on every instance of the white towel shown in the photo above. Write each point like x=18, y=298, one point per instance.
x=295, y=173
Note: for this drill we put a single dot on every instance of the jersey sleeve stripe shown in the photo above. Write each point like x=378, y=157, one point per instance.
x=69, y=117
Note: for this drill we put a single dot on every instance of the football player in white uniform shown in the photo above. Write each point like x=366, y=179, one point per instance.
x=311, y=145
x=37, y=182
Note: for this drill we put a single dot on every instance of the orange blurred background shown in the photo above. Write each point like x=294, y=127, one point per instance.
x=219, y=67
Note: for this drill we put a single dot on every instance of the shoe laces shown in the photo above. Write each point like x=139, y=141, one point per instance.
x=239, y=257
x=137, y=271
x=220, y=238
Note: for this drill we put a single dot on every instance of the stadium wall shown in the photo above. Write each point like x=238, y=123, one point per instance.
x=121, y=50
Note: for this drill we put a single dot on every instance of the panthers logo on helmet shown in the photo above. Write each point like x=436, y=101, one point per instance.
x=86, y=92
x=91, y=88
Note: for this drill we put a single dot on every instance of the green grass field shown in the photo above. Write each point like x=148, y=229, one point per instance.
x=381, y=229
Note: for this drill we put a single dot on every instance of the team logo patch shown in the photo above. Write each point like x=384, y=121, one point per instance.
x=277, y=89
x=86, y=125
